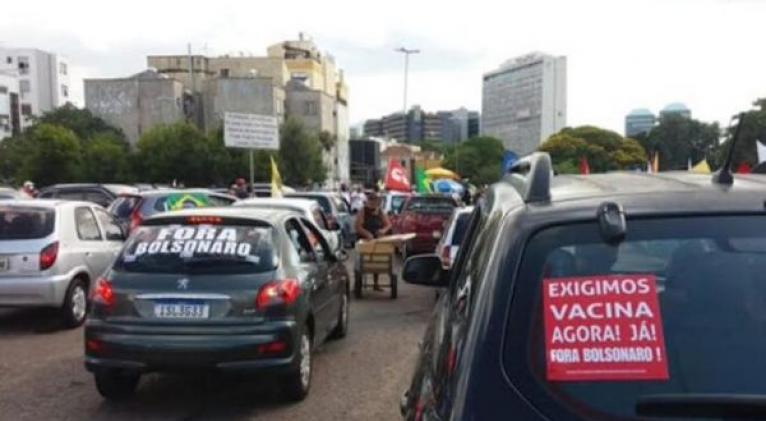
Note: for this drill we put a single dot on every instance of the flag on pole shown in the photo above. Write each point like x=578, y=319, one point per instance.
x=396, y=178
x=584, y=167
x=702, y=167
x=422, y=181
x=276, y=180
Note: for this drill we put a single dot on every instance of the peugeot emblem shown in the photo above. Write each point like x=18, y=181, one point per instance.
x=183, y=283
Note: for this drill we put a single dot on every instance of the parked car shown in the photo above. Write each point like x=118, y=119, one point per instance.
x=454, y=231
x=425, y=216
x=392, y=204
x=230, y=289
x=100, y=194
x=132, y=208
x=8, y=193
x=309, y=209
x=51, y=252
x=608, y=296
x=338, y=214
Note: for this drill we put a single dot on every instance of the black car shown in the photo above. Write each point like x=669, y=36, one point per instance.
x=101, y=194
x=230, y=289
x=132, y=208
x=610, y=296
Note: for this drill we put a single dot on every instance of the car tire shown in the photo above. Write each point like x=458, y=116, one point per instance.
x=297, y=383
x=114, y=384
x=341, y=327
x=75, y=307
x=394, y=287
x=358, y=284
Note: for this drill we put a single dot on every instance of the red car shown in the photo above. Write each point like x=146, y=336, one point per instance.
x=425, y=216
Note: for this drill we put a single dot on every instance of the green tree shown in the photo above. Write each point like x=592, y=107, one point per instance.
x=82, y=122
x=605, y=150
x=300, y=155
x=174, y=152
x=430, y=145
x=679, y=139
x=327, y=140
x=49, y=154
x=753, y=129
x=105, y=159
x=477, y=159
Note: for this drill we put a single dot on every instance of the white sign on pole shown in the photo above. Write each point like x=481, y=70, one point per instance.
x=250, y=131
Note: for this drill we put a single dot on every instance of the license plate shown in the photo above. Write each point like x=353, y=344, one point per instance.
x=5, y=264
x=181, y=311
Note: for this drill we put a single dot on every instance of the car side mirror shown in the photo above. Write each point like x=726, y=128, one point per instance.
x=425, y=270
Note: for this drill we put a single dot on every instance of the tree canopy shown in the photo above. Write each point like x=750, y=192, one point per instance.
x=679, y=139
x=753, y=129
x=300, y=155
x=477, y=159
x=605, y=150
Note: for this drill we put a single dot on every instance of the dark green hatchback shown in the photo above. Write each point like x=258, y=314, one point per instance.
x=237, y=290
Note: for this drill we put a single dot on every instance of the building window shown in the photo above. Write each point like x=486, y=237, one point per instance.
x=26, y=109
x=3, y=89
x=64, y=91
x=224, y=72
x=62, y=68
x=310, y=108
x=23, y=65
x=9, y=59
x=24, y=86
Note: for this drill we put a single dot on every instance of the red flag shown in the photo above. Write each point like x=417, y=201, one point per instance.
x=396, y=177
x=744, y=168
x=584, y=167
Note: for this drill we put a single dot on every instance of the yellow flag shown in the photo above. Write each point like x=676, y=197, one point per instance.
x=701, y=168
x=276, y=180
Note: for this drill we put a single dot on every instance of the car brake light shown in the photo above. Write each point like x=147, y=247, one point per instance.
x=446, y=256
x=135, y=220
x=203, y=220
x=103, y=292
x=284, y=292
x=272, y=348
x=48, y=255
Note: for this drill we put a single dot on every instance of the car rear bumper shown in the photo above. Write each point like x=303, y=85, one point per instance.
x=33, y=291
x=238, y=351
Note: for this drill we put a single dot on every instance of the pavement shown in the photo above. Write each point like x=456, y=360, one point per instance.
x=360, y=377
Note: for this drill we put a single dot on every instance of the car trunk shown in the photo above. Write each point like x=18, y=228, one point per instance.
x=21, y=257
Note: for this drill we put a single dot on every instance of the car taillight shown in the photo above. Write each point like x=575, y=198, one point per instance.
x=135, y=220
x=48, y=255
x=446, y=256
x=103, y=293
x=284, y=292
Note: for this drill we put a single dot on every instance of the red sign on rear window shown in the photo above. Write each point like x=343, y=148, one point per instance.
x=603, y=328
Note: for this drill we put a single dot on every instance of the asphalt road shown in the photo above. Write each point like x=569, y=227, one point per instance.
x=360, y=377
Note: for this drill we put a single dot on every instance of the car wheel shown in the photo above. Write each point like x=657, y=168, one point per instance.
x=296, y=385
x=394, y=286
x=341, y=328
x=75, y=306
x=357, y=284
x=115, y=384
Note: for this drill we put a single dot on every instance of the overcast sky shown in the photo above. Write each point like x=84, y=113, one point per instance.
x=621, y=54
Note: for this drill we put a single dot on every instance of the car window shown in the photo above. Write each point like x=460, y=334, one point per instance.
x=25, y=223
x=316, y=239
x=340, y=203
x=178, y=201
x=85, y=222
x=112, y=231
x=460, y=227
x=216, y=200
x=123, y=206
x=396, y=203
x=676, y=310
x=69, y=195
x=225, y=248
x=97, y=197
x=323, y=201
x=460, y=272
x=299, y=240
x=319, y=218
x=46, y=194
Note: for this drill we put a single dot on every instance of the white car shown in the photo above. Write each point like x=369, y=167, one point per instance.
x=52, y=252
x=454, y=230
x=308, y=208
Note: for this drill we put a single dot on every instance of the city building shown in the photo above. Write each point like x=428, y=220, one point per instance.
x=418, y=125
x=524, y=101
x=137, y=103
x=364, y=161
x=43, y=79
x=639, y=121
x=10, y=106
x=256, y=95
x=676, y=108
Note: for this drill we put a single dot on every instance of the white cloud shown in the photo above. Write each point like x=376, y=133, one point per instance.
x=621, y=54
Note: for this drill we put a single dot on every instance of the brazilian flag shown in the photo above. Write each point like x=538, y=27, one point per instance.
x=422, y=182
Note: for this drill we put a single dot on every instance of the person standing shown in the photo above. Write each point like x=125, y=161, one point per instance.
x=357, y=200
x=28, y=189
x=371, y=223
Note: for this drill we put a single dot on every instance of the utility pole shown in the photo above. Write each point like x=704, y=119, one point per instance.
x=407, y=53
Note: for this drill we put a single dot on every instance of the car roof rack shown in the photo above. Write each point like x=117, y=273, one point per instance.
x=531, y=177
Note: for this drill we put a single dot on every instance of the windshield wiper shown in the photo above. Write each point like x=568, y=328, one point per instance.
x=727, y=406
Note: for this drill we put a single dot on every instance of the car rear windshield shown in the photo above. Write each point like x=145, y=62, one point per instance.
x=430, y=205
x=675, y=311
x=123, y=206
x=25, y=223
x=460, y=225
x=176, y=201
x=225, y=249
x=323, y=201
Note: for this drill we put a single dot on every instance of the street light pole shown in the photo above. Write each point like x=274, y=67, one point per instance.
x=407, y=52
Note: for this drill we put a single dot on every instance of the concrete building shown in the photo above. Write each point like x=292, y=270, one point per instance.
x=458, y=125
x=10, y=106
x=676, y=108
x=257, y=95
x=639, y=121
x=43, y=79
x=443, y=126
x=137, y=103
x=364, y=161
x=524, y=101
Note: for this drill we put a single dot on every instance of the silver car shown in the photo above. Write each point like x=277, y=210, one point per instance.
x=51, y=252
